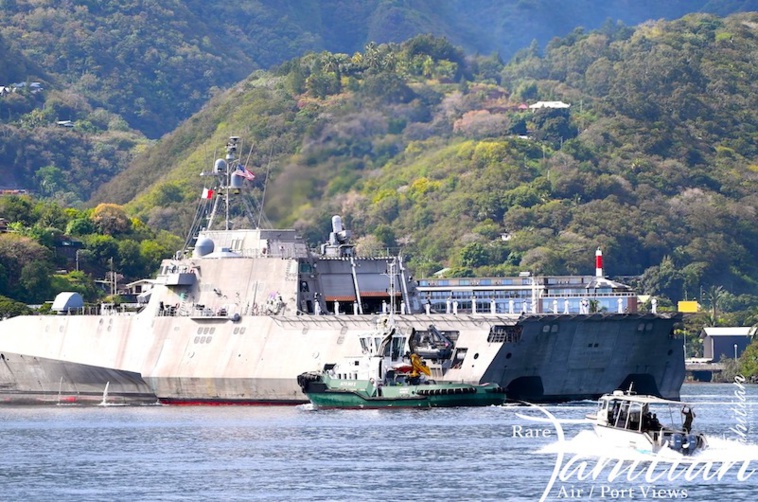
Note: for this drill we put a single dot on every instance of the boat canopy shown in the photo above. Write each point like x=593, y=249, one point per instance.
x=642, y=399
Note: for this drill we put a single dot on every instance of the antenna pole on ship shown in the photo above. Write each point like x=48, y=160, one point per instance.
x=228, y=175
x=223, y=169
x=231, y=161
x=391, y=274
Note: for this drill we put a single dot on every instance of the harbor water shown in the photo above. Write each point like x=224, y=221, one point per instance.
x=161, y=453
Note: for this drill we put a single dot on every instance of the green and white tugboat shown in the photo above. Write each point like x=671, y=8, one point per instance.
x=388, y=375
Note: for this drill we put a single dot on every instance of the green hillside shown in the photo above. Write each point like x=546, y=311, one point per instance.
x=156, y=63
x=123, y=73
x=421, y=148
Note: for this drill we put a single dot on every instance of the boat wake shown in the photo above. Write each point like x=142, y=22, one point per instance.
x=588, y=444
x=720, y=449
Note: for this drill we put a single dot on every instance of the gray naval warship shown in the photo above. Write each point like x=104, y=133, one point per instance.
x=238, y=314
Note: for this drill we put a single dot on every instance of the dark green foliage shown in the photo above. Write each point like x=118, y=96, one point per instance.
x=474, y=255
x=80, y=226
x=61, y=163
x=17, y=209
x=38, y=260
x=126, y=70
x=12, y=308
x=553, y=127
x=387, y=87
x=35, y=282
x=386, y=236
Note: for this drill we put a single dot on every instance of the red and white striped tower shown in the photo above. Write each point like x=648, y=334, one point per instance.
x=598, y=263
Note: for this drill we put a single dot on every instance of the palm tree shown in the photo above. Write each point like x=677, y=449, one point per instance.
x=371, y=56
x=714, y=295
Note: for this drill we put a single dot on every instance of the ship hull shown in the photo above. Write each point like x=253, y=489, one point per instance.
x=26, y=380
x=572, y=357
x=256, y=359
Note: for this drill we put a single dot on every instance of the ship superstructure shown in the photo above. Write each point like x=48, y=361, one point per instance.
x=239, y=313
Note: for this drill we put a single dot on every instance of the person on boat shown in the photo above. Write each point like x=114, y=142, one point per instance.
x=655, y=424
x=689, y=415
x=647, y=421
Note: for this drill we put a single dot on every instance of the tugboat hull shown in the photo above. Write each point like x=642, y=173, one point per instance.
x=327, y=393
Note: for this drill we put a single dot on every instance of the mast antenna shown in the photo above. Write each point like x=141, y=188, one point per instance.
x=261, y=215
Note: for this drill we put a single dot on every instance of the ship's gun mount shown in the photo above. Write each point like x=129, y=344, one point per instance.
x=431, y=344
x=339, y=244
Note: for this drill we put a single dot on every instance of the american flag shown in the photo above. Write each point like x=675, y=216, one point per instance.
x=244, y=172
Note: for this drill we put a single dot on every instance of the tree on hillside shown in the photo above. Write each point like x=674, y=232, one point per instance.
x=111, y=219
x=12, y=308
x=17, y=210
x=749, y=360
x=35, y=282
x=713, y=296
x=17, y=252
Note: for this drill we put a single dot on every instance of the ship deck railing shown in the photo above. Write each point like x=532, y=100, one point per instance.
x=588, y=294
x=172, y=265
x=126, y=309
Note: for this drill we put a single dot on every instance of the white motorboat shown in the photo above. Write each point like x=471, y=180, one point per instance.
x=645, y=423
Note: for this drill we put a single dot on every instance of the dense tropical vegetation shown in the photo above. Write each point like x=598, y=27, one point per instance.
x=47, y=249
x=424, y=148
x=155, y=63
x=120, y=72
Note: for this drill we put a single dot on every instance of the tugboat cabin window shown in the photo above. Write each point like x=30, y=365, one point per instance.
x=398, y=344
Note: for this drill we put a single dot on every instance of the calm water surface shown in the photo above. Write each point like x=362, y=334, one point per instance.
x=160, y=453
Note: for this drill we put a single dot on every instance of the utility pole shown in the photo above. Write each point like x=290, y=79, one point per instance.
x=113, y=278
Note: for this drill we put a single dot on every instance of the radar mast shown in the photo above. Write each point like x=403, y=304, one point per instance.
x=228, y=197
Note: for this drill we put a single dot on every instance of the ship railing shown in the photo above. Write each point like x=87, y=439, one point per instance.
x=168, y=310
x=100, y=310
x=588, y=294
x=196, y=310
x=378, y=255
x=282, y=251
